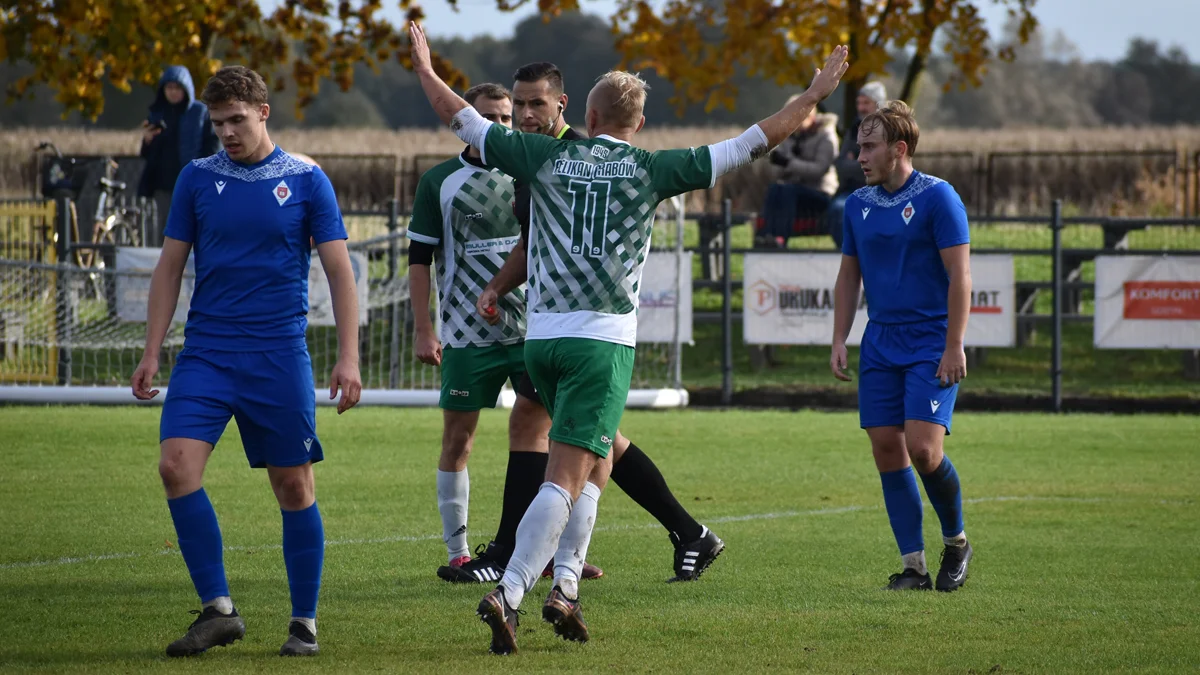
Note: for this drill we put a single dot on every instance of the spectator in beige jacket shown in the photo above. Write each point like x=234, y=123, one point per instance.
x=805, y=181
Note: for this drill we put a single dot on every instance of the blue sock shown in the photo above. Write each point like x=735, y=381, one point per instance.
x=902, y=498
x=200, y=543
x=946, y=496
x=303, y=555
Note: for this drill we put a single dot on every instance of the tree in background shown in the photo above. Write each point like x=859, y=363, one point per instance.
x=703, y=46
x=75, y=47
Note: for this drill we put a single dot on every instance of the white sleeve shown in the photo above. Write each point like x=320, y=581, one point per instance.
x=737, y=152
x=471, y=127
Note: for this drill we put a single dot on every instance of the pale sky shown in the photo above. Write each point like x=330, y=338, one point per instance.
x=1101, y=28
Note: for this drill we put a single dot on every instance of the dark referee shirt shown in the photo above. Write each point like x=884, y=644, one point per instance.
x=524, y=199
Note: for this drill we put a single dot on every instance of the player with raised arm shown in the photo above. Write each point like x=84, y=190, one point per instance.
x=593, y=210
x=248, y=213
x=463, y=217
x=906, y=241
x=538, y=106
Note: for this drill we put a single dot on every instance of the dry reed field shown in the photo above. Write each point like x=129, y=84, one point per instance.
x=1161, y=180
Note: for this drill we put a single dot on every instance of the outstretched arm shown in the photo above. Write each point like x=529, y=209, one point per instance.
x=443, y=99
x=783, y=123
x=770, y=132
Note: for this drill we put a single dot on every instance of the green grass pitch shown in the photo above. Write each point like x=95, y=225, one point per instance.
x=1085, y=530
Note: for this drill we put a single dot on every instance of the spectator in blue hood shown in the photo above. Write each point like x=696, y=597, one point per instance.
x=176, y=131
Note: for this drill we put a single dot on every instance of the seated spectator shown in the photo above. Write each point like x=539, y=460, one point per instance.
x=805, y=181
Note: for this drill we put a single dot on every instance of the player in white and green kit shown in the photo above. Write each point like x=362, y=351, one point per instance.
x=593, y=209
x=463, y=219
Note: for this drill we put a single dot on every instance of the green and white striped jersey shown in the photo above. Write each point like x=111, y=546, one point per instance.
x=467, y=212
x=593, y=210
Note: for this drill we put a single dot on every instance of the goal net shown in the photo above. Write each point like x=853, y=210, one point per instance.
x=72, y=334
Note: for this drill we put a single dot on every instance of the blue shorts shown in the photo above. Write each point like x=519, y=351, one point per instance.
x=270, y=394
x=897, y=371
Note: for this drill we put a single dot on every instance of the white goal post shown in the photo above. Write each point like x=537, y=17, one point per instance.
x=75, y=335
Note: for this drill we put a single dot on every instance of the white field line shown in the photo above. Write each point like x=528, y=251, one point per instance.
x=98, y=557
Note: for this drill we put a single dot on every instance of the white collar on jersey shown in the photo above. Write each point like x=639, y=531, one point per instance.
x=875, y=195
x=281, y=166
x=614, y=140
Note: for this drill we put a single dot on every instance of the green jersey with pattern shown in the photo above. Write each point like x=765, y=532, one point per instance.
x=593, y=210
x=467, y=212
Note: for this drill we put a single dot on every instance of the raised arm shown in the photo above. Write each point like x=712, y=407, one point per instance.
x=783, y=123
x=770, y=132
x=445, y=102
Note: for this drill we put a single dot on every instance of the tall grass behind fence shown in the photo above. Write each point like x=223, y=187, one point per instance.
x=1150, y=172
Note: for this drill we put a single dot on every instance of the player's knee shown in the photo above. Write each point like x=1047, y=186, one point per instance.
x=169, y=470
x=293, y=489
x=175, y=474
x=924, y=456
x=528, y=427
x=456, y=444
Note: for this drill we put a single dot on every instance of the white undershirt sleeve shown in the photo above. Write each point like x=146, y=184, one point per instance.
x=737, y=152
x=471, y=128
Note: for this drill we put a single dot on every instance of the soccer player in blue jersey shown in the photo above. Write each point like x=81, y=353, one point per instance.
x=906, y=241
x=248, y=214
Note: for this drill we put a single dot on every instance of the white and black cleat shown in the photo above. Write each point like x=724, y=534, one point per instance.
x=300, y=642
x=693, y=558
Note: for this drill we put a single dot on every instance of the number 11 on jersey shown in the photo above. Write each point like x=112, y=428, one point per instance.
x=594, y=220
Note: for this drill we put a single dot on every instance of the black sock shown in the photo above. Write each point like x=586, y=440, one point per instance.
x=526, y=473
x=637, y=475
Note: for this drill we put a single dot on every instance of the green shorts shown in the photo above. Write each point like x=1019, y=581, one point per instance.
x=584, y=384
x=472, y=377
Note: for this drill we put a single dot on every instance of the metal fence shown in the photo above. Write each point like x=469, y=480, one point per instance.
x=1161, y=182
x=65, y=324
x=1054, y=286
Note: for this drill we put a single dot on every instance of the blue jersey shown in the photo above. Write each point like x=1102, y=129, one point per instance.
x=249, y=226
x=897, y=238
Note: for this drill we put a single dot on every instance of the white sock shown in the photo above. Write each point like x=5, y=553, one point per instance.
x=453, y=493
x=573, y=545
x=959, y=540
x=311, y=624
x=224, y=604
x=915, y=561
x=537, y=538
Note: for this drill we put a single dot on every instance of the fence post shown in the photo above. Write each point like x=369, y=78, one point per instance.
x=63, y=309
x=393, y=224
x=726, y=305
x=1057, y=271
x=394, y=343
x=680, y=216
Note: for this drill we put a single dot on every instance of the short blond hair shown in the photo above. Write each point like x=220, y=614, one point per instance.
x=620, y=98
x=898, y=124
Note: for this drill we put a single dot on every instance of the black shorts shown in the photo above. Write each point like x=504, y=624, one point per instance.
x=524, y=387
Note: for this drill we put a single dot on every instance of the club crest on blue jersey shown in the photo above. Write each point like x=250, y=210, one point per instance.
x=282, y=192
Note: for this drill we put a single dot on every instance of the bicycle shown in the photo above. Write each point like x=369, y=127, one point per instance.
x=113, y=224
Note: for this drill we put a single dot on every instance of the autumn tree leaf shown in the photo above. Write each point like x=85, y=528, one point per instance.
x=700, y=45
x=75, y=46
